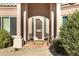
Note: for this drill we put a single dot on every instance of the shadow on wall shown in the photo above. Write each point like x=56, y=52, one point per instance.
x=55, y=48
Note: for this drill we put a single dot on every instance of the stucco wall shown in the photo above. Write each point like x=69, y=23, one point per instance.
x=38, y=9
x=41, y=9
x=8, y=11
x=66, y=10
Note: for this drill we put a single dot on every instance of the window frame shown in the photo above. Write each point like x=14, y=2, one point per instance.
x=10, y=23
x=66, y=18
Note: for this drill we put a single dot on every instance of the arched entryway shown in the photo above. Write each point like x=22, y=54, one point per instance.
x=38, y=28
x=34, y=16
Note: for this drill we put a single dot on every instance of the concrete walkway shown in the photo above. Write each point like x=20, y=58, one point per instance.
x=25, y=52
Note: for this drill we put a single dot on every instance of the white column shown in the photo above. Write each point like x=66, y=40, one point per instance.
x=43, y=28
x=18, y=40
x=24, y=24
x=52, y=20
x=58, y=18
x=19, y=20
x=25, y=18
x=34, y=29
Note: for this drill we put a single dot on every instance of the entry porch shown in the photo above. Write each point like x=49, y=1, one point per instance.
x=37, y=22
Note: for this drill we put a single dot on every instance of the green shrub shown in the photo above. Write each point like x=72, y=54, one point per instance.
x=56, y=49
x=5, y=39
x=69, y=35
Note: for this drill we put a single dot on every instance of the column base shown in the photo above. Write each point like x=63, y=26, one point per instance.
x=18, y=43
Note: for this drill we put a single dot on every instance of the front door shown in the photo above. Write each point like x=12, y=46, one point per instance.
x=38, y=29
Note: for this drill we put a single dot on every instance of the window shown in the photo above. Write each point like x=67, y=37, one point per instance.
x=9, y=24
x=45, y=27
x=65, y=19
x=32, y=27
x=6, y=23
x=13, y=25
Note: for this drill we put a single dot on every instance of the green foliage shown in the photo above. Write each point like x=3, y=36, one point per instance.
x=5, y=39
x=69, y=35
x=56, y=49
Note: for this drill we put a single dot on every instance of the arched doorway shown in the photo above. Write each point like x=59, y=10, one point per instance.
x=38, y=28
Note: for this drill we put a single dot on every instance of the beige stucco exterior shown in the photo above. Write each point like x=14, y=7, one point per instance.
x=8, y=11
x=69, y=9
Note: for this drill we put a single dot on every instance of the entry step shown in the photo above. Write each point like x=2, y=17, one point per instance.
x=38, y=42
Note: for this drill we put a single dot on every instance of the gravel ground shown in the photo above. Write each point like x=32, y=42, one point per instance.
x=25, y=52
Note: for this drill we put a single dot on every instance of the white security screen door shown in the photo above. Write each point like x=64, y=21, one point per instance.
x=38, y=28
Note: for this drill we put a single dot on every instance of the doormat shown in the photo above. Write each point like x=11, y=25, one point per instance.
x=38, y=42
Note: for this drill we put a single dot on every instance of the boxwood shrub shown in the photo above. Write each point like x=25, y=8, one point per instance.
x=5, y=39
x=69, y=35
x=68, y=41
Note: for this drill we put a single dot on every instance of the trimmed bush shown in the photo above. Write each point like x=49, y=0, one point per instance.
x=69, y=35
x=56, y=49
x=5, y=39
